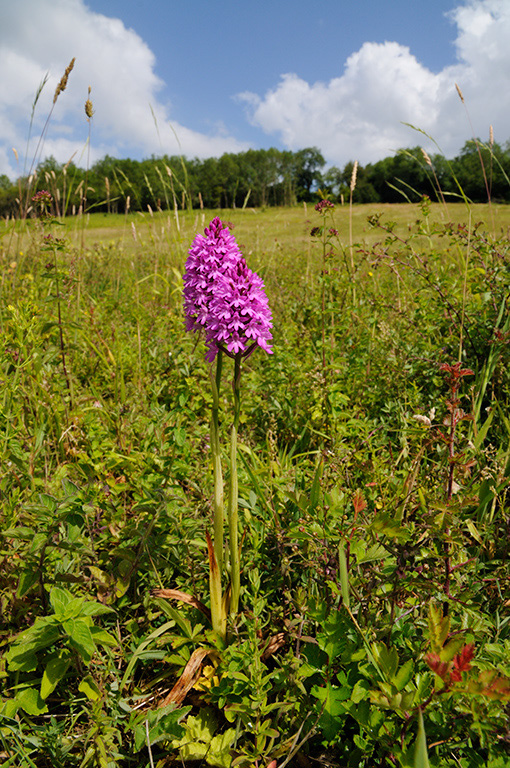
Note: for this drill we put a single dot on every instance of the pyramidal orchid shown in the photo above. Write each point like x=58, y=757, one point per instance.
x=211, y=256
x=227, y=302
x=223, y=297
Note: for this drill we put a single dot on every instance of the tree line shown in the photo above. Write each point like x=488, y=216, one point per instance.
x=259, y=178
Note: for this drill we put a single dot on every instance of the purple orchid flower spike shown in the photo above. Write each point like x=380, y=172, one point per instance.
x=240, y=318
x=211, y=255
x=223, y=297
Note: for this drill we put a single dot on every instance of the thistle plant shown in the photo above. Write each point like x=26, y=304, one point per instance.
x=226, y=301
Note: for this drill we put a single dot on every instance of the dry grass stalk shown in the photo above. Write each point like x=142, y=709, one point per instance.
x=354, y=175
x=274, y=644
x=183, y=597
x=427, y=159
x=188, y=678
x=460, y=93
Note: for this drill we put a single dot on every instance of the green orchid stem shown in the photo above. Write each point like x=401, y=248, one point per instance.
x=235, y=566
x=218, y=609
x=218, y=503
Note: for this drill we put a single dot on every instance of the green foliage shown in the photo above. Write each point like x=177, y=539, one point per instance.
x=373, y=484
x=52, y=644
x=260, y=178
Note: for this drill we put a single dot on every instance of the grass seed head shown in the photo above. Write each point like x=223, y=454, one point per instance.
x=63, y=80
x=353, y=176
x=89, y=107
x=426, y=157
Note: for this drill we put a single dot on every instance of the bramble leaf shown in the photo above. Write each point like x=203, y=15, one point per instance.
x=89, y=687
x=31, y=702
x=54, y=672
x=80, y=638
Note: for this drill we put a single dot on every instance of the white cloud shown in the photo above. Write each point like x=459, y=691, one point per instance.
x=360, y=113
x=357, y=114
x=41, y=36
x=382, y=84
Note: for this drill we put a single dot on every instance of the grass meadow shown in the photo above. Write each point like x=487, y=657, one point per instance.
x=373, y=467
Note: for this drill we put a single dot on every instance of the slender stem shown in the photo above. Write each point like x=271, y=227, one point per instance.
x=351, y=253
x=350, y=240
x=60, y=329
x=323, y=304
x=449, y=489
x=464, y=289
x=235, y=574
x=215, y=547
x=218, y=504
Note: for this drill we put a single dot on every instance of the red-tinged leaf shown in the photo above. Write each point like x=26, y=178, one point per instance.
x=461, y=661
x=455, y=676
x=441, y=668
x=358, y=502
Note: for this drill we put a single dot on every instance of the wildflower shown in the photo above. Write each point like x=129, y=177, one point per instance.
x=211, y=255
x=42, y=201
x=223, y=297
x=239, y=318
x=323, y=205
x=43, y=197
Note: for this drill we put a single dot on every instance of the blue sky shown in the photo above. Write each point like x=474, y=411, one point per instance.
x=226, y=76
x=207, y=52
